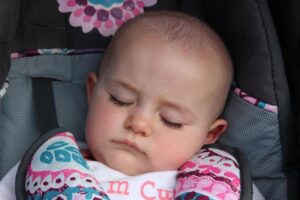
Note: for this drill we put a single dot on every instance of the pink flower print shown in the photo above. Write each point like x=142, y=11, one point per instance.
x=206, y=169
x=231, y=196
x=34, y=185
x=218, y=189
x=188, y=164
x=15, y=55
x=104, y=15
x=234, y=178
x=46, y=183
x=187, y=183
x=205, y=183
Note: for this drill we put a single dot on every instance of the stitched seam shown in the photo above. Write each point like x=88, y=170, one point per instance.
x=269, y=49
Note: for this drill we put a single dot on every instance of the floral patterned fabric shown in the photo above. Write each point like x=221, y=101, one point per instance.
x=104, y=15
x=256, y=102
x=212, y=174
x=57, y=170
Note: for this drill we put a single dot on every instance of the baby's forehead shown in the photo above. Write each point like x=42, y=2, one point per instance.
x=199, y=42
x=134, y=41
x=199, y=46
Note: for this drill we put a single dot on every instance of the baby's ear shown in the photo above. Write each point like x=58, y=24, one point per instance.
x=90, y=85
x=215, y=131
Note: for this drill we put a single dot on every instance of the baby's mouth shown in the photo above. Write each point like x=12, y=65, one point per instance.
x=128, y=144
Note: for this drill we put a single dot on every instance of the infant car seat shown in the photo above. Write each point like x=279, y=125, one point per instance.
x=50, y=46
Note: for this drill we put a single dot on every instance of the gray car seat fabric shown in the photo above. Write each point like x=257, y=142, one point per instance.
x=255, y=132
x=18, y=119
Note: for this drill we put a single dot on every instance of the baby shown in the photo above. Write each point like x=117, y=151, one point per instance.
x=156, y=99
x=158, y=95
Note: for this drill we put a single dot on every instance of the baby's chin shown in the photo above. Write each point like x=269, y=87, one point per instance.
x=130, y=164
x=125, y=165
x=129, y=168
x=133, y=170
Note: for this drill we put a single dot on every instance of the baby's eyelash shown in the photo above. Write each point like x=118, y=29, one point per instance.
x=117, y=102
x=171, y=124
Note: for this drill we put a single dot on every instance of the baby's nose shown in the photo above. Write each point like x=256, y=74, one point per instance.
x=139, y=123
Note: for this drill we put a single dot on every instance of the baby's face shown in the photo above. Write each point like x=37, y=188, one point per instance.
x=151, y=110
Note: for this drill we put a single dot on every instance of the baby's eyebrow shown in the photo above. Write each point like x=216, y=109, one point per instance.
x=125, y=85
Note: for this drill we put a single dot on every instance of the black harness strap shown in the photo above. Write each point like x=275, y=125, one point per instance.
x=43, y=97
x=44, y=101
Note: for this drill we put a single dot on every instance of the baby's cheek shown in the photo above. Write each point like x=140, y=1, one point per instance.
x=171, y=153
x=103, y=115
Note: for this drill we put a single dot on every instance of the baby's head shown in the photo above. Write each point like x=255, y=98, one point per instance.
x=157, y=99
